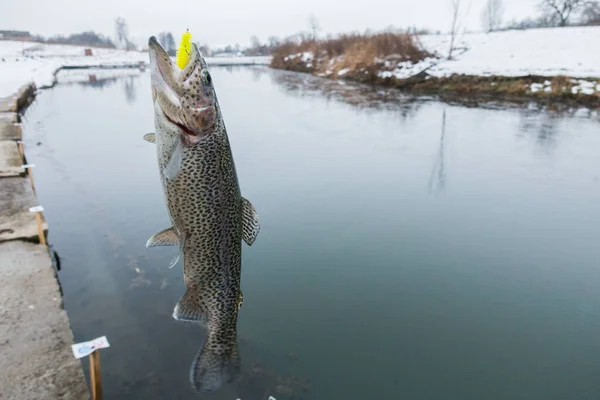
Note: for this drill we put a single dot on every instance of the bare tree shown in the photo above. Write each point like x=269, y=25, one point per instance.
x=256, y=48
x=123, y=33
x=204, y=50
x=492, y=15
x=315, y=25
x=167, y=41
x=591, y=14
x=254, y=42
x=274, y=41
x=456, y=28
x=563, y=9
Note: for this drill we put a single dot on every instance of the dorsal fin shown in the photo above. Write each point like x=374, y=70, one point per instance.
x=250, y=225
x=150, y=137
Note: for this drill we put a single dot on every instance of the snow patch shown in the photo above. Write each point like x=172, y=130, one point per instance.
x=584, y=87
x=407, y=69
x=536, y=87
x=307, y=56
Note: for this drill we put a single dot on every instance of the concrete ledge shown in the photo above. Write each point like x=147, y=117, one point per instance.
x=16, y=222
x=10, y=159
x=19, y=100
x=9, y=131
x=9, y=117
x=35, y=336
x=36, y=361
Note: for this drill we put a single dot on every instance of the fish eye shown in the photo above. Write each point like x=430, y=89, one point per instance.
x=206, y=78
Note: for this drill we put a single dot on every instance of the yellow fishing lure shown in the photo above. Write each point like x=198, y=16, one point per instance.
x=184, y=50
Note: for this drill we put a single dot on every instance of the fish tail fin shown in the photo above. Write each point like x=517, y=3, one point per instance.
x=216, y=364
x=190, y=307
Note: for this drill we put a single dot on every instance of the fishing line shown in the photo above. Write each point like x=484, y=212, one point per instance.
x=187, y=15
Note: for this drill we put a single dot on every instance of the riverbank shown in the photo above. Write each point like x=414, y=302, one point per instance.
x=22, y=63
x=546, y=65
x=35, y=335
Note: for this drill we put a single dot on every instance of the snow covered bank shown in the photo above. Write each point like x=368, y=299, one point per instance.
x=554, y=64
x=569, y=51
x=24, y=62
x=549, y=52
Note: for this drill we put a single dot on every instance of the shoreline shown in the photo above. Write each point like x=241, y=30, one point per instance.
x=550, y=66
x=35, y=331
x=471, y=89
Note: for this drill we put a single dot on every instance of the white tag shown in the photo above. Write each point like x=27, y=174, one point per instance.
x=27, y=165
x=272, y=398
x=36, y=209
x=83, y=349
x=19, y=141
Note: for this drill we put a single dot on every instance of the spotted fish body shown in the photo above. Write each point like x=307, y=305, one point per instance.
x=209, y=216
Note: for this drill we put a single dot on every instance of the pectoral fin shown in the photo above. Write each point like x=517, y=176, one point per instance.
x=250, y=225
x=178, y=256
x=150, y=137
x=173, y=167
x=168, y=237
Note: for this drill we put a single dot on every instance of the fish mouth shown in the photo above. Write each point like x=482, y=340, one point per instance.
x=181, y=126
x=173, y=92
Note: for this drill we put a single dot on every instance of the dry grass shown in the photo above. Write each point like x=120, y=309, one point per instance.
x=363, y=57
x=500, y=87
x=350, y=51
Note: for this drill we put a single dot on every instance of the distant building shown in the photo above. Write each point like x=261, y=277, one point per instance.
x=15, y=35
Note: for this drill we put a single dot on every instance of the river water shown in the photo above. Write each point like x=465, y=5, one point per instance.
x=409, y=248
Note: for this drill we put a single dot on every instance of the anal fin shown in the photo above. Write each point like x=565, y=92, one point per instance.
x=190, y=307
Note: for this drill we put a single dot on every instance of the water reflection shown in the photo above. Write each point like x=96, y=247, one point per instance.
x=438, y=177
x=543, y=126
x=130, y=86
x=359, y=96
x=257, y=71
x=365, y=96
x=102, y=79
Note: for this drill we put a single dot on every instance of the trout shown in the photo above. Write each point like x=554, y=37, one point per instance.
x=209, y=216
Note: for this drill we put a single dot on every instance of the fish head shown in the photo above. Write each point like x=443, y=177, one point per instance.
x=184, y=99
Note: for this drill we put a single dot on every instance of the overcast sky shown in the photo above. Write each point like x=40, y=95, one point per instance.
x=220, y=22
